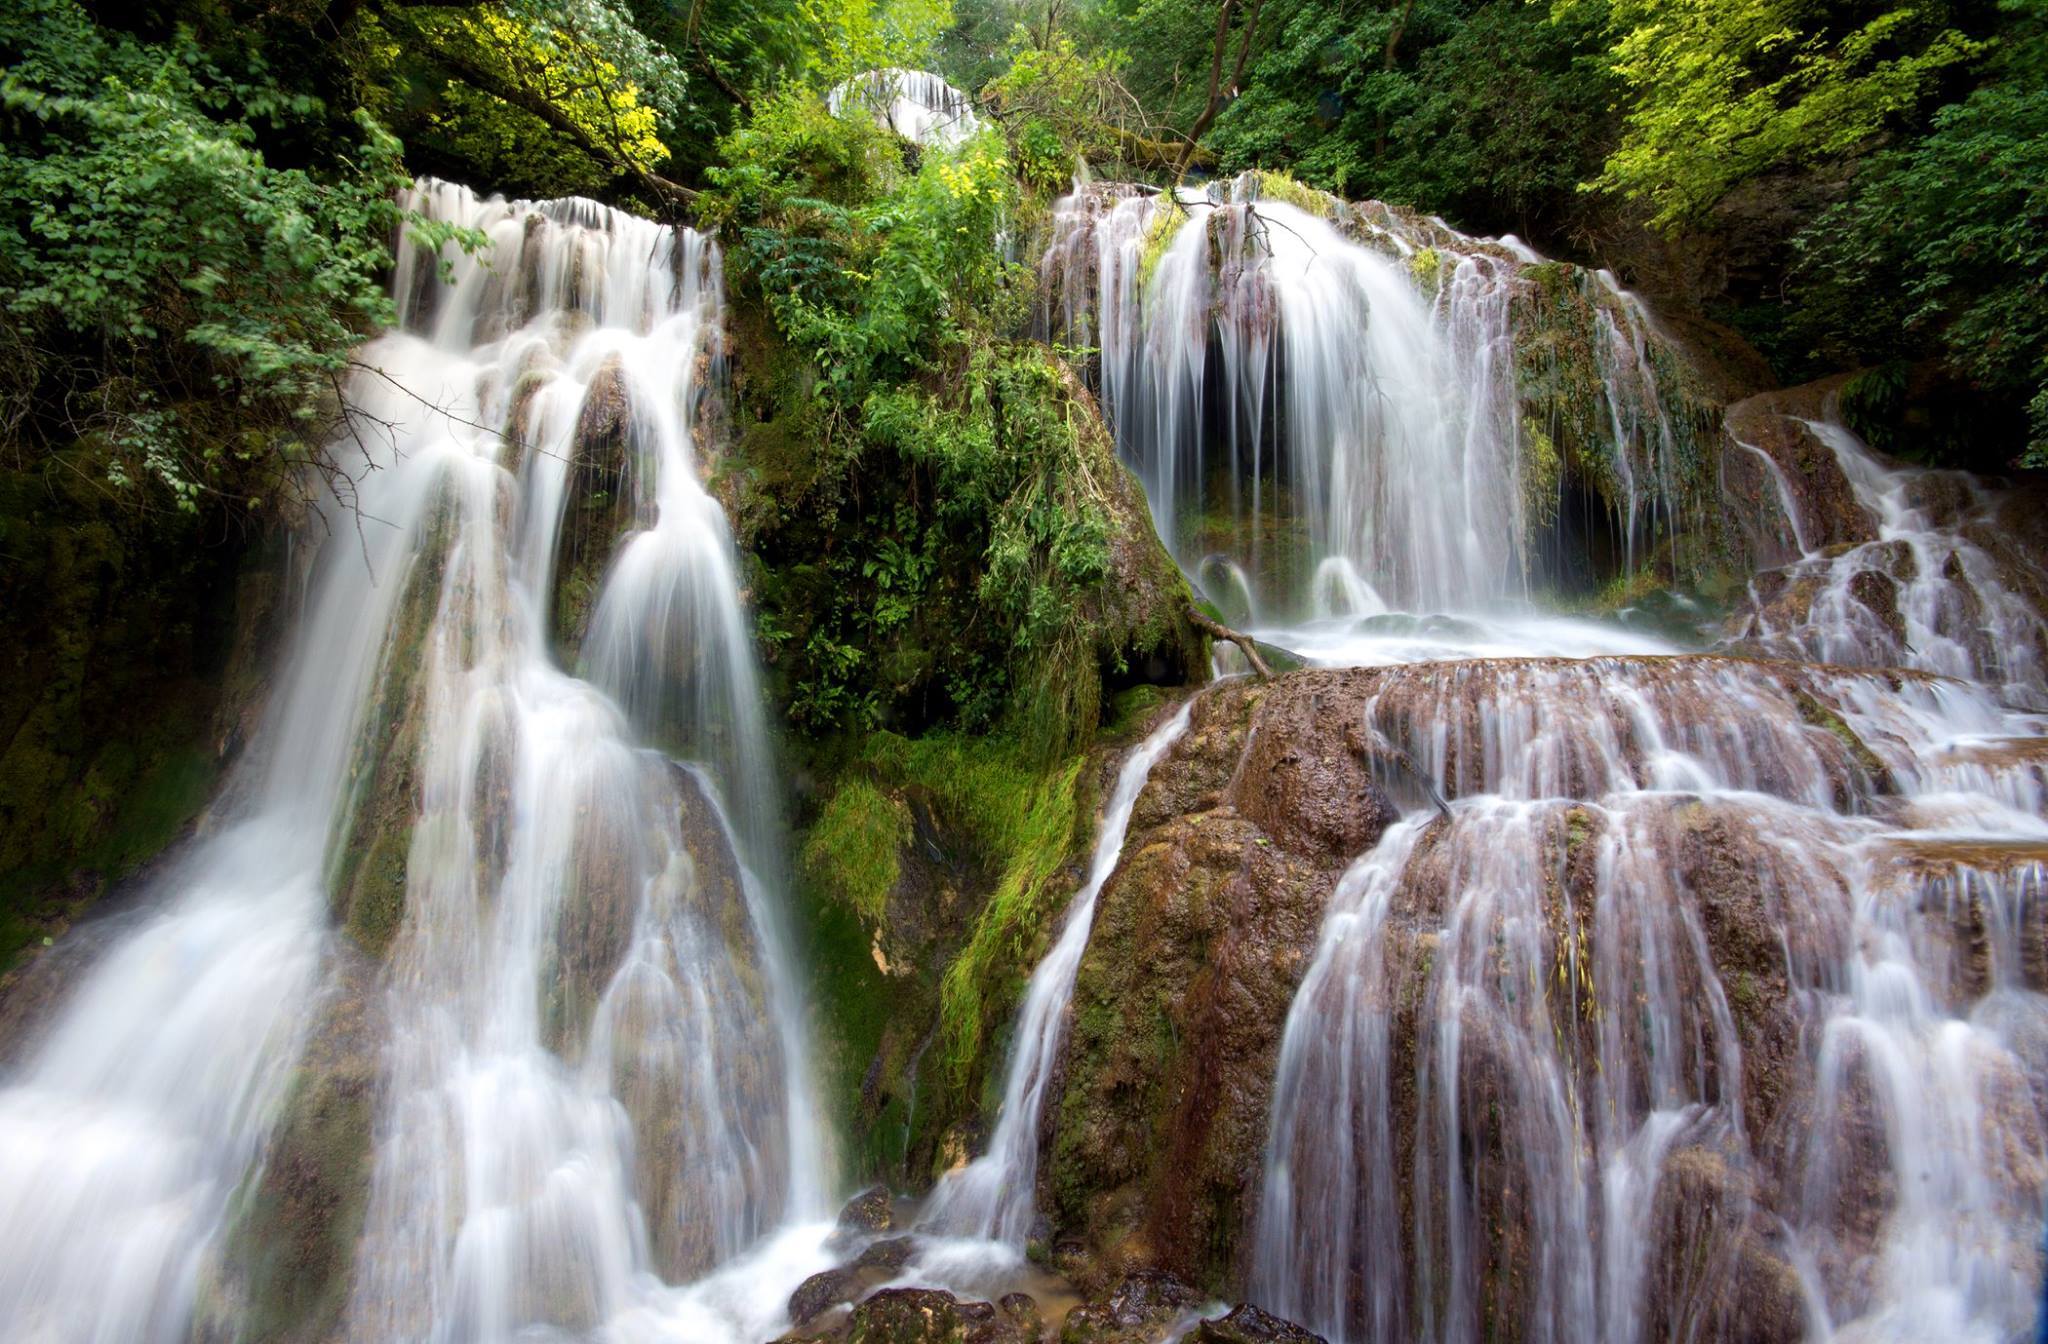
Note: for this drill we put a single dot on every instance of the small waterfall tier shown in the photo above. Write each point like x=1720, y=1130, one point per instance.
x=1913, y=568
x=1689, y=998
x=1340, y=411
x=916, y=104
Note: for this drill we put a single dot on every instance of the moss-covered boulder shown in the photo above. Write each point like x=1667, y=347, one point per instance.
x=134, y=642
x=289, y=1257
x=372, y=854
x=601, y=501
x=1200, y=939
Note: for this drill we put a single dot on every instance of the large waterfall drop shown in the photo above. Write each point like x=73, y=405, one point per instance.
x=590, y=1078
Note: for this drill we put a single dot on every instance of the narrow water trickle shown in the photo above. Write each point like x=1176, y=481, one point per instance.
x=994, y=1197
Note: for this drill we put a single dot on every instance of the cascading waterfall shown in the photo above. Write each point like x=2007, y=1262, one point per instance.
x=1706, y=1004
x=124, y=1135
x=1923, y=594
x=1519, y=1053
x=995, y=1196
x=1324, y=407
x=916, y=104
x=594, y=1075
x=594, y=1082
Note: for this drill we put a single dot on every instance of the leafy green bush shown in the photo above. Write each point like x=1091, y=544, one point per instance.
x=155, y=266
x=1943, y=243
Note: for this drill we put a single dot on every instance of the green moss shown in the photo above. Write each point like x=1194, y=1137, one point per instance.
x=1280, y=187
x=1819, y=715
x=1542, y=477
x=121, y=645
x=1130, y=708
x=1034, y=821
x=373, y=847
x=852, y=849
x=1160, y=231
x=1427, y=265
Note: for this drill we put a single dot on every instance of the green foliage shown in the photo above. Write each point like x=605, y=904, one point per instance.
x=938, y=529
x=463, y=84
x=1944, y=243
x=152, y=256
x=1066, y=104
x=1491, y=112
x=847, y=37
x=1723, y=92
x=1023, y=817
x=852, y=848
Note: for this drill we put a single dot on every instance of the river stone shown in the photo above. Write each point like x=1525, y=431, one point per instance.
x=868, y=1211
x=1247, y=1324
x=1139, y=1310
x=823, y=1291
x=887, y=1256
x=908, y=1316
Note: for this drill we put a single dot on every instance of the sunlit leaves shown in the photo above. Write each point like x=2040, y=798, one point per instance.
x=1722, y=91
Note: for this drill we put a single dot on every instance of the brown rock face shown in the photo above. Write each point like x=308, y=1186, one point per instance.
x=291, y=1255
x=1200, y=939
x=1771, y=423
x=1580, y=1025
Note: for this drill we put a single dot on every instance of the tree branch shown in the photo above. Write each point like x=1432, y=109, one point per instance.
x=526, y=100
x=1215, y=101
x=1218, y=630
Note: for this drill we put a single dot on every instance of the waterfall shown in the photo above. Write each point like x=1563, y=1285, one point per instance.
x=1705, y=1004
x=1332, y=398
x=995, y=1196
x=916, y=104
x=593, y=1080
x=1518, y=1053
x=594, y=1073
x=1922, y=594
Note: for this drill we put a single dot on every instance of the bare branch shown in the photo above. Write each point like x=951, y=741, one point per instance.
x=1217, y=630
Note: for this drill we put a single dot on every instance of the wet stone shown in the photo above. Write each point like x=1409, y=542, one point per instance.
x=1247, y=1324
x=823, y=1291
x=868, y=1211
x=909, y=1316
x=1140, y=1308
x=888, y=1256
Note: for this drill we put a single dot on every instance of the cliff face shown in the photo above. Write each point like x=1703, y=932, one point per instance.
x=134, y=651
x=1200, y=941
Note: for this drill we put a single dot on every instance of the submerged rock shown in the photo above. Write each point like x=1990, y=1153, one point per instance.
x=910, y=1316
x=823, y=1291
x=1141, y=1309
x=869, y=1211
x=1247, y=1324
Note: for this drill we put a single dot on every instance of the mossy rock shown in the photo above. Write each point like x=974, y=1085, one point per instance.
x=134, y=642
x=290, y=1250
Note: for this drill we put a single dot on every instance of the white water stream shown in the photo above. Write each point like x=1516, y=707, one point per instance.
x=594, y=1083
x=994, y=1197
